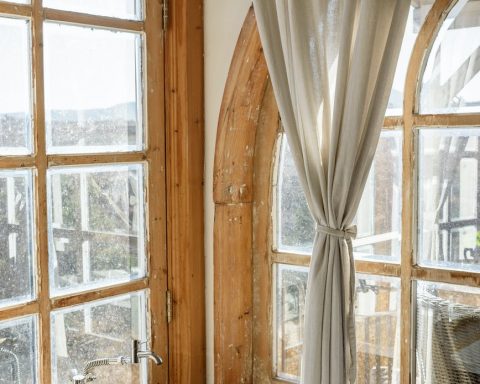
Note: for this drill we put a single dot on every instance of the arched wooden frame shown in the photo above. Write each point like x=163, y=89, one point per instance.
x=248, y=129
x=246, y=135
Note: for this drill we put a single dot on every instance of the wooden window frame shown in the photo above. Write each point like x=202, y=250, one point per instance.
x=243, y=193
x=174, y=157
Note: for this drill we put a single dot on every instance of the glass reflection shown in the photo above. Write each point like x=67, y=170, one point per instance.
x=96, y=226
x=418, y=12
x=451, y=79
x=448, y=199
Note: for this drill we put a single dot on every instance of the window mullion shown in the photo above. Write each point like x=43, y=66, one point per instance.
x=41, y=193
x=446, y=120
x=16, y=9
x=17, y=162
x=26, y=309
x=291, y=258
x=101, y=293
x=377, y=268
x=406, y=342
x=93, y=20
x=446, y=276
x=408, y=191
x=86, y=159
x=154, y=122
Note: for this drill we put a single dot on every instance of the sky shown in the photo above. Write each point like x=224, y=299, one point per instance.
x=89, y=69
x=84, y=68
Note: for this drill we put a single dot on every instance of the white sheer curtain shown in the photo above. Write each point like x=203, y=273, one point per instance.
x=332, y=64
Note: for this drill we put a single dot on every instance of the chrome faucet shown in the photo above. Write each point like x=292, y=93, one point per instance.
x=88, y=376
x=137, y=354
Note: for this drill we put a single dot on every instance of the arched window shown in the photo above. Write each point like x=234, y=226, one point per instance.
x=417, y=260
x=418, y=246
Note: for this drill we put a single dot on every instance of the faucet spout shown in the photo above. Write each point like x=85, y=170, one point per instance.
x=135, y=357
x=150, y=355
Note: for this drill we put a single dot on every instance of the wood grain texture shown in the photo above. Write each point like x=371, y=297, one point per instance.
x=99, y=158
x=94, y=20
x=233, y=187
x=377, y=268
x=17, y=161
x=446, y=276
x=233, y=293
x=19, y=310
x=97, y=294
x=16, y=9
x=239, y=113
x=41, y=195
x=446, y=120
x=185, y=159
x=268, y=132
x=156, y=188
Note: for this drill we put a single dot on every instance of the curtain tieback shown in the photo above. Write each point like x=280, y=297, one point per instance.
x=348, y=233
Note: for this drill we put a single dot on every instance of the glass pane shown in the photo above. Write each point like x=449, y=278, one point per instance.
x=18, y=351
x=378, y=329
x=291, y=287
x=123, y=9
x=379, y=214
x=96, y=226
x=452, y=76
x=17, y=283
x=448, y=214
x=100, y=329
x=377, y=325
x=93, y=90
x=418, y=12
x=295, y=226
x=15, y=87
x=448, y=334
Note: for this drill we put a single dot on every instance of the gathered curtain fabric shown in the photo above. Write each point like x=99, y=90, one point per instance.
x=332, y=64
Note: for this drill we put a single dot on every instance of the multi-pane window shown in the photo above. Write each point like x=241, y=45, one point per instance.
x=76, y=172
x=418, y=245
x=379, y=241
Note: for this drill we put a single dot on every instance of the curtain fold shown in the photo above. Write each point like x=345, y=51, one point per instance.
x=331, y=64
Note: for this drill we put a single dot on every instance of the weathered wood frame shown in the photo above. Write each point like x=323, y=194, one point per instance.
x=243, y=191
x=174, y=160
x=185, y=170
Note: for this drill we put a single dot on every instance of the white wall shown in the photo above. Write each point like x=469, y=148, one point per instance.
x=223, y=20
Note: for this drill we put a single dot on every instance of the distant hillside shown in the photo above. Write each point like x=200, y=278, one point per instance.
x=103, y=126
x=127, y=111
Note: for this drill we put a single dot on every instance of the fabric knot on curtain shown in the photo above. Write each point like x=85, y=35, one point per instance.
x=348, y=233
